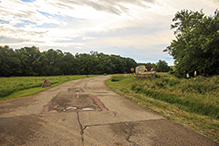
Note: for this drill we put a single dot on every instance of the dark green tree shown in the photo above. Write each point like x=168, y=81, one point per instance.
x=162, y=66
x=29, y=63
x=152, y=65
x=44, y=65
x=118, y=64
x=9, y=62
x=68, y=65
x=196, y=45
x=130, y=63
x=54, y=63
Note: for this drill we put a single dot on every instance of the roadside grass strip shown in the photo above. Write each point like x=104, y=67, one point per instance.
x=189, y=102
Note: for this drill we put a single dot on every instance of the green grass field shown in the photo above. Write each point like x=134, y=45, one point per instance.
x=13, y=87
x=190, y=102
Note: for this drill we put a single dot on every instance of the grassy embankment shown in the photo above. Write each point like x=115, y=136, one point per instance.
x=193, y=103
x=13, y=87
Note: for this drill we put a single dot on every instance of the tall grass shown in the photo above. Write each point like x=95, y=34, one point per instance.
x=199, y=95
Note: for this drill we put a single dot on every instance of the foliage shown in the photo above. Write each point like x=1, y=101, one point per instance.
x=29, y=61
x=152, y=65
x=162, y=66
x=196, y=45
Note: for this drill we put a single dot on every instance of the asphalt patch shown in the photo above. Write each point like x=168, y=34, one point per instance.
x=70, y=101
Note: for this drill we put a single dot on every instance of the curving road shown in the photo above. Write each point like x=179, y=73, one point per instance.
x=86, y=112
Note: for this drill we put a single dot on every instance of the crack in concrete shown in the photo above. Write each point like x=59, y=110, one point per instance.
x=82, y=129
x=114, y=113
x=130, y=133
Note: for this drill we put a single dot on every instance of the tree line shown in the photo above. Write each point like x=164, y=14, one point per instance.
x=160, y=66
x=29, y=61
x=196, y=45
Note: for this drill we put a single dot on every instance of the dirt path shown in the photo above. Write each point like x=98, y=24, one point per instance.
x=85, y=112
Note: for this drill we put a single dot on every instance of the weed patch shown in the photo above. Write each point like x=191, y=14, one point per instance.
x=117, y=78
x=193, y=103
x=194, y=95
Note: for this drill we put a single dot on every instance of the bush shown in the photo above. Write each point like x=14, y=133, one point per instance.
x=117, y=78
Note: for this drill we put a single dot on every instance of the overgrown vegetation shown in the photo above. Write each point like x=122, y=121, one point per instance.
x=118, y=78
x=196, y=45
x=191, y=102
x=200, y=95
x=12, y=87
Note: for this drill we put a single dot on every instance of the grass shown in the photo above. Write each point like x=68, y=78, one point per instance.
x=13, y=87
x=190, y=102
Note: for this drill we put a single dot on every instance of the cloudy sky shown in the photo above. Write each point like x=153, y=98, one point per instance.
x=139, y=29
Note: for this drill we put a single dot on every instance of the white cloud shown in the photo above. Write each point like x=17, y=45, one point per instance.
x=73, y=25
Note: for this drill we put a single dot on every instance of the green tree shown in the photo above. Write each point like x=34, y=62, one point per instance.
x=162, y=66
x=29, y=60
x=152, y=65
x=54, y=63
x=196, y=45
x=68, y=64
x=108, y=65
x=44, y=64
x=119, y=64
x=9, y=62
x=130, y=63
x=84, y=64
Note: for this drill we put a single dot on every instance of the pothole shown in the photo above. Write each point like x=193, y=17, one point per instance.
x=88, y=109
x=71, y=107
x=73, y=102
x=78, y=109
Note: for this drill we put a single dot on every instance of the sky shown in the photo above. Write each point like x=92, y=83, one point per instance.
x=138, y=29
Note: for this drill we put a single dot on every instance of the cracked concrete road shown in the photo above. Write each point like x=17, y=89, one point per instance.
x=86, y=112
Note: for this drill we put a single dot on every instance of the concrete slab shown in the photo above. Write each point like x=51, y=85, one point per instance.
x=144, y=133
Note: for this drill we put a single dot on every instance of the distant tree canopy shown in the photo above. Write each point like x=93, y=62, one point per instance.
x=196, y=45
x=152, y=65
x=29, y=61
x=162, y=66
